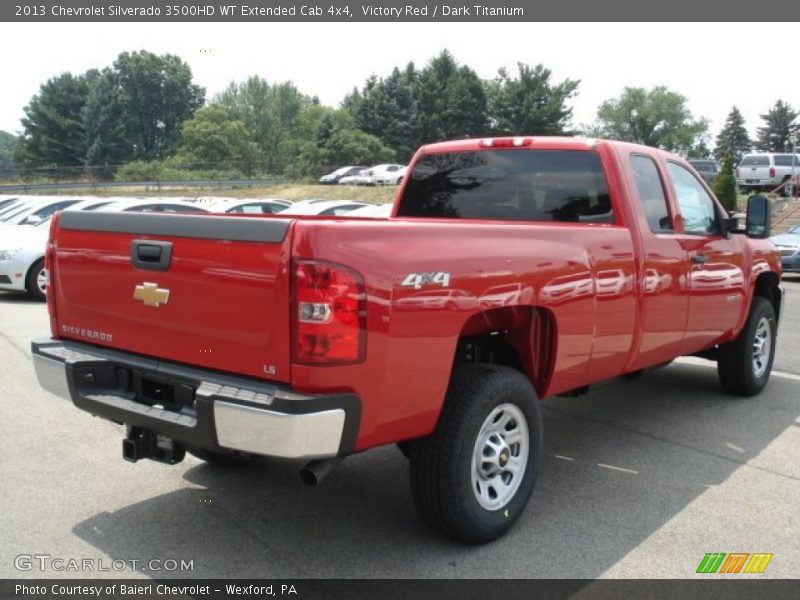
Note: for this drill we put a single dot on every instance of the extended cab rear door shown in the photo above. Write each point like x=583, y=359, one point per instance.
x=663, y=271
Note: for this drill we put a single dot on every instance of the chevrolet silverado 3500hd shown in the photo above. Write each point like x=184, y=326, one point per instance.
x=511, y=269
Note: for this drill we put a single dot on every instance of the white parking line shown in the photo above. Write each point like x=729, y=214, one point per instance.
x=631, y=471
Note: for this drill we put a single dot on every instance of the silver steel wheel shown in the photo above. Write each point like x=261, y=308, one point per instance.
x=41, y=281
x=762, y=346
x=500, y=456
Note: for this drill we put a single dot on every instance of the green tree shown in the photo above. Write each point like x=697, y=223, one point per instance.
x=657, y=117
x=450, y=101
x=699, y=150
x=725, y=184
x=530, y=103
x=214, y=137
x=780, y=123
x=104, y=122
x=53, y=132
x=269, y=112
x=155, y=95
x=8, y=145
x=733, y=140
x=386, y=108
x=334, y=144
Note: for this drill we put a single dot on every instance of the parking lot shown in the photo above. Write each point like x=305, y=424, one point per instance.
x=639, y=479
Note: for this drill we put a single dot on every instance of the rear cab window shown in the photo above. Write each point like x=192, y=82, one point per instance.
x=509, y=185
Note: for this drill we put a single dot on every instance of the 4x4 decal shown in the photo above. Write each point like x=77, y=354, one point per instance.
x=417, y=280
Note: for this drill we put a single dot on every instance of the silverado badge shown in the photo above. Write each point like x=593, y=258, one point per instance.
x=151, y=294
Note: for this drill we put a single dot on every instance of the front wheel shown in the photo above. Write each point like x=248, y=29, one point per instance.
x=472, y=477
x=36, y=281
x=744, y=364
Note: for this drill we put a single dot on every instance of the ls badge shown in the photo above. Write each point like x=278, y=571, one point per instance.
x=151, y=294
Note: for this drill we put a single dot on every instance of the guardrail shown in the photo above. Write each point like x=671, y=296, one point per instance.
x=158, y=184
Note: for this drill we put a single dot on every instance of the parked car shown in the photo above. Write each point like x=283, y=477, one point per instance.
x=789, y=246
x=362, y=177
x=6, y=200
x=334, y=336
x=765, y=171
x=34, y=210
x=22, y=251
x=375, y=211
x=387, y=174
x=263, y=206
x=335, y=208
x=159, y=205
x=10, y=204
x=707, y=169
x=339, y=173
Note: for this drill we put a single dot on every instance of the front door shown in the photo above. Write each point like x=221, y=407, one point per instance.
x=716, y=278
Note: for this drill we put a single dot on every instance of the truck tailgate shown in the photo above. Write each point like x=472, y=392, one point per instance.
x=210, y=291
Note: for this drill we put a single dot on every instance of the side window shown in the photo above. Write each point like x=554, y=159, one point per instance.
x=698, y=209
x=651, y=192
x=253, y=209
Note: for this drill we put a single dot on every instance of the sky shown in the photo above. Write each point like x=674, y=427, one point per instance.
x=714, y=65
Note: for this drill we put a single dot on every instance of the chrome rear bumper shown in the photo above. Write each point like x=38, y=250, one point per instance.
x=195, y=407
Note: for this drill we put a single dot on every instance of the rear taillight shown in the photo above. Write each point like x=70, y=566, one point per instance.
x=329, y=314
x=49, y=268
x=772, y=171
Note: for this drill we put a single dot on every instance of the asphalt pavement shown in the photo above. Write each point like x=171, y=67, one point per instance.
x=639, y=479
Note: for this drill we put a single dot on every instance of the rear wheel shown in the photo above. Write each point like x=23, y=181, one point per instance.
x=744, y=364
x=472, y=478
x=36, y=281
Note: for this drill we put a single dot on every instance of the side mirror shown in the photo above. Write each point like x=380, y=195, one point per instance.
x=758, y=223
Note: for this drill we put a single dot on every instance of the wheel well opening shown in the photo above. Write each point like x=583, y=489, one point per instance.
x=767, y=287
x=522, y=338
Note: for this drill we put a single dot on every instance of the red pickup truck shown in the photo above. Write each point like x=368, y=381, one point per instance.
x=511, y=269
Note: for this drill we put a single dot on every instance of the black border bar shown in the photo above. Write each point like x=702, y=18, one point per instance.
x=729, y=588
x=408, y=11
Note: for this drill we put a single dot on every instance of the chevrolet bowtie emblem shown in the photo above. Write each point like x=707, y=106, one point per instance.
x=151, y=294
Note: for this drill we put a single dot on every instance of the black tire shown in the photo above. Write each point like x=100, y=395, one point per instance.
x=223, y=459
x=443, y=478
x=740, y=372
x=32, y=281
